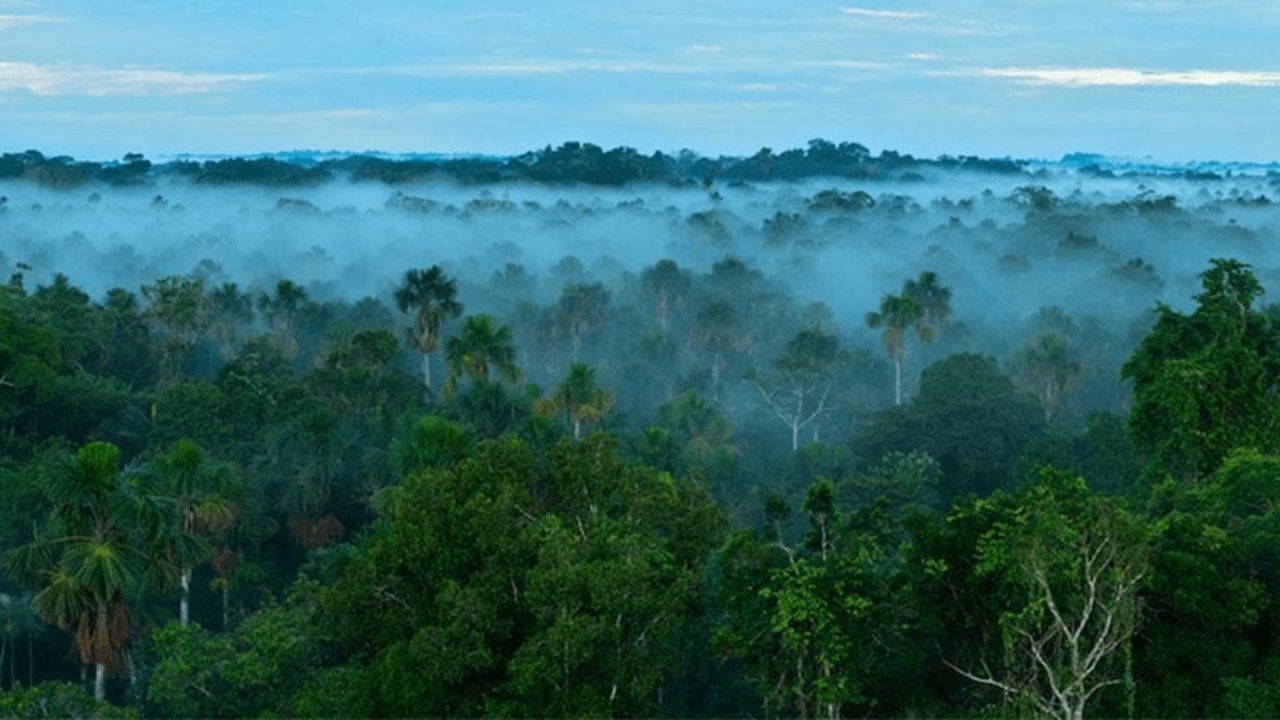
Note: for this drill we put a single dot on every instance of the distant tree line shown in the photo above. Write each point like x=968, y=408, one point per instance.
x=569, y=163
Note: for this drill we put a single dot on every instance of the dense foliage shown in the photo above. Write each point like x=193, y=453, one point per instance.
x=678, y=491
x=571, y=162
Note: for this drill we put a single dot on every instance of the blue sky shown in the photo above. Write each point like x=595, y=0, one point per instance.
x=1171, y=79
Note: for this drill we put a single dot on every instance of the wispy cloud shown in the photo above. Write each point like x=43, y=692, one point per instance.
x=885, y=14
x=8, y=21
x=98, y=81
x=921, y=22
x=1130, y=77
x=529, y=67
x=921, y=56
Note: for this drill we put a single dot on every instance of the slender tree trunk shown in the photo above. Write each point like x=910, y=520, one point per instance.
x=577, y=430
x=426, y=370
x=184, y=605
x=225, y=593
x=100, y=681
x=84, y=677
x=795, y=437
x=897, y=381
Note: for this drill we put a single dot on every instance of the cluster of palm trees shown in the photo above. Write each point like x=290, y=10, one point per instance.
x=484, y=350
x=920, y=308
x=115, y=533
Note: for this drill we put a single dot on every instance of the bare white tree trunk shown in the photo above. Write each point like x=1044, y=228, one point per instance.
x=426, y=369
x=184, y=604
x=897, y=381
x=1062, y=659
x=100, y=681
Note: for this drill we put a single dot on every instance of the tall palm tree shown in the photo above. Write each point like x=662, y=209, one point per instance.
x=100, y=546
x=282, y=308
x=580, y=310
x=700, y=426
x=482, y=346
x=670, y=285
x=717, y=329
x=934, y=300
x=579, y=398
x=307, y=459
x=1047, y=366
x=898, y=315
x=198, y=488
x=176, y=304
x=229, y=309
x=432, y=297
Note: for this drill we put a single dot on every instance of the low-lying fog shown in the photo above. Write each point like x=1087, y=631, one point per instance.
x=1105, y=250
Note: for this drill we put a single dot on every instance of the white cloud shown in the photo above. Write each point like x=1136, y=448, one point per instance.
x=706, y=49
x=923, y=22
x=8, y=21
x=1130, y=77
x=921, y=56
x=528, y=67
x=97, y=81
x=885, y=14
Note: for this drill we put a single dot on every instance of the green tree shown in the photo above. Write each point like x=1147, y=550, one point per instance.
x=717, y=329
x=200, y=488
x=61, y=700
x=921, y=307
x=579, y=398
x=579, y=311
x=229, y=310
x=816, y=625
x=177, y=305
x=1047, y=366
x=1205, y=383
x=483, y=345
x=282, y=308
x=1080, y=564
x=266, y=666
x=98, y=550
x=431, y=296
x=969, y=417
x=797, y=388
x=1209, y=650
x=933, y=299
x=898, y=315
x=668, y=285
x=510, y=583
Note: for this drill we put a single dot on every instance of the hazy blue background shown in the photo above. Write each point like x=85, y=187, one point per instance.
x=1177, y=80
